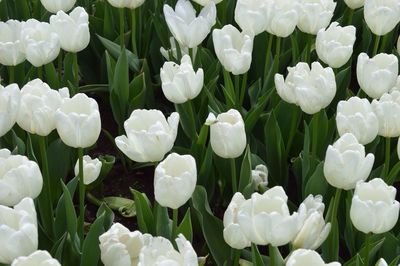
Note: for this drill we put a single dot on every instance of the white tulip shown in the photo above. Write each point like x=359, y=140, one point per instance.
x=334, y=45
x=149, y=136
x=233, y=49
x=382, y=16
x=78, y=121
x=11, y=49
x=282, y=17
x=251, y=16
x=91, y=169
x=41, y=43
x=53, y=6
x=72, y=29
x=227, y=134
x=387, y=109
x=131, y=4
x=357, y=117
x=172, y=54
x=19, y=178
x=354, y=4
x=346, y=164
x=315, y=15
x=180, y=83
x=206, y=2
x=260, y=176
x=311, y=89
x=306, y=257
x=18, y=231
x=189, y=30
x=10, y=97
x=374, y=208
x=377, y=75
x=381, y=262
x=37, y=258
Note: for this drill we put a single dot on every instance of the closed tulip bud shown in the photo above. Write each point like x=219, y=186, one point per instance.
x=149, y=136
x=354, y=4
x=189, y=30
x=346, y=163
x=306, y=257
x=335, y=44
x=356, y=116
x=53, y=6
x=10, y=97
x=91, y=169
x=18, y=230
x=260, y=176
x=311, y=89
x=39, y=257
x=206, y=2
x=19, y=178
x=377, y=75
x=282, y=17
x=180, y=83
x=131, y=4
x=78, y=121
x=41, y=43
x=373, y=207
x=227, y=134
x=381, y=16
x=72, y=29
x=233, y=235
x=233, y=49
x=38, y=106
x=11, y=47
x=381, y=262
x=387, y=110
x=176, y=171
x=250, y=15
x=315, y=15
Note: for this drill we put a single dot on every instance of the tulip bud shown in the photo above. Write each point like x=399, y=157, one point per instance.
x=131, y=4
x=39, y=257
x=11, y=47
x=227, y=134
x=53, y=6
x=175, y=171
x=38, y=106
x=260, y=176
x=250, y=15
x=180, y=83
x=356, y=116
x=381, y=16
x=315, y=15
x=206, y=2
x=91, y=169
x=41, y=43
x=149, y=136
x=233, y=235
x=374, y=208
x=78, y=121
x=354, y=4
x=18, y=231
x=72, y=29
x=233, y=49
x=346, y=163
x=377, y=75
x=282, y=17
x=306, y=257
x=187, y=29
x=19, y=178
x=311, y=89
x=335, y=44
x=386, y=110
x=381, y=262
x=10, y=97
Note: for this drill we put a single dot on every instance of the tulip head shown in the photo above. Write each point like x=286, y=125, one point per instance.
x=39, y=257
x=307, y=257
x=387, y=110
x=381, y=16
x=131, y=4
x=315, y=15
x=53, y=6
x=11, y=47
x=91, y=169
x=10, y=98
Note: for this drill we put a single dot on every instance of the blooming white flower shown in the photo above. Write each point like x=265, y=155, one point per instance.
x=306, y=257
x=11, y=48
x=381, y=16
x=53, y=6
x=10, y=98
x=91, y=169
x=387, y=109
x=282, y=17
x=354, y=4
x=37, y=258
x=260, y=176
x=251, y=16
x=131, y=4
x=315, y=15
x=206, y=2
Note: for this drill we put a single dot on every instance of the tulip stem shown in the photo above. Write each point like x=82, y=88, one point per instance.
x=81, y=196
x=122, y=28
x=76, y=69
x=174, y=224
x=293, y=126
x=332, y=214
x=11, y=74
x=133, y=32
x=236, y=256
x=233, y=173
x=243, y=89
x=350, y=16
x=59, y=64
x=367, y=248
x=40, y=73
x=277, y=54
x=268, y=55
x=387, y=157
x=237, y=91
x=376, y=45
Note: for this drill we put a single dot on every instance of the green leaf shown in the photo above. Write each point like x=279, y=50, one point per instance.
x=69, y=211
x=137, y=93
x=143, y=212
x=245, y=170
x=185, y=227
x=163, y=227
x=121, y=82
x=125, y=207
x=256, y=256
x=52, y=76
x=317, y=184
x=373, y=248
x=187, y=119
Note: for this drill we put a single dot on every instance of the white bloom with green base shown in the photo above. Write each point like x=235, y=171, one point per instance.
x=11, y=48
x=37, y=258
x=307, y=257
x=10, y=98
x=250, y=15
x=387, y=110
x=282, y=17
x=382, y=16
x=91, y=169
x=131, y=4
x=53, y=6
x=315, y=15
x=354, y=4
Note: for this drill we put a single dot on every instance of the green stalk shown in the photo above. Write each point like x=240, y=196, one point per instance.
x=236, y=256
x=40, y=72
x=233, y=173
x=387, y=157
x=268, y=55
x=76, y=69
x=11, y=74
x=277, y=54
x=122, y=27
x=315, y=130
x=333, y=217
x=350, y=16
x=81, y=221
x=60, y=64
x=133, y=32
x=243, y=89
x=237, y=91
x=376, y=45
x=293, y=127
x=174, y=224
x=367, y=248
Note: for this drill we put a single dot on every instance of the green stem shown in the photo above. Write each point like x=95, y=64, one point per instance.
x=76, y=69
x=293, y=128
x=237, y=90
x=387, y=157
x=268, y=54
x=272, y=261
x=93, y=199
x=376, y=45
x=133, y=32
x=11, y=74
x=236, y=256
x=233, y=173
x=277, y=54
x=174, y=224
x=333, y=217
x=40, y=73
x=178, y=50
x=367, y=248
x=243, y=89
x=122, y=27
x=60, y=64
x=315, y=129
x=81, y=196
x=350, y=16
x=336, y=202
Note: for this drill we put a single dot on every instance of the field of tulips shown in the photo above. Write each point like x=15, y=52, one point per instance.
x=199, y=132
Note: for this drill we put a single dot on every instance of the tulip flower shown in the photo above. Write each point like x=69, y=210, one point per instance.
x=346, y=163
x=311, y=89
x=19, y=178
x=233, y=49
x=9, y=101
x=18, y=231
x=131, y=4
x=233, y=235
x=206, y=2
x=72, y=29
x=187, y=29
x=334, y=45
x=53, y=6
x=251, y=16
x=227, y=134
x=260, y=176
x=91, y=169
x=354, y=4
x=282, y=17
x=41, y=43
x=306, y=257
x=387, y=110
x=174, y=51
x=381, y=16
x=315, y=15
x=381, y=262
x=180, y=83
x=377, y=75
x=149, y=136
x=78, y=121
x=373, y=207
x=356, y=116
x=38, y=106
x=37, y=258
x=11, y=48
